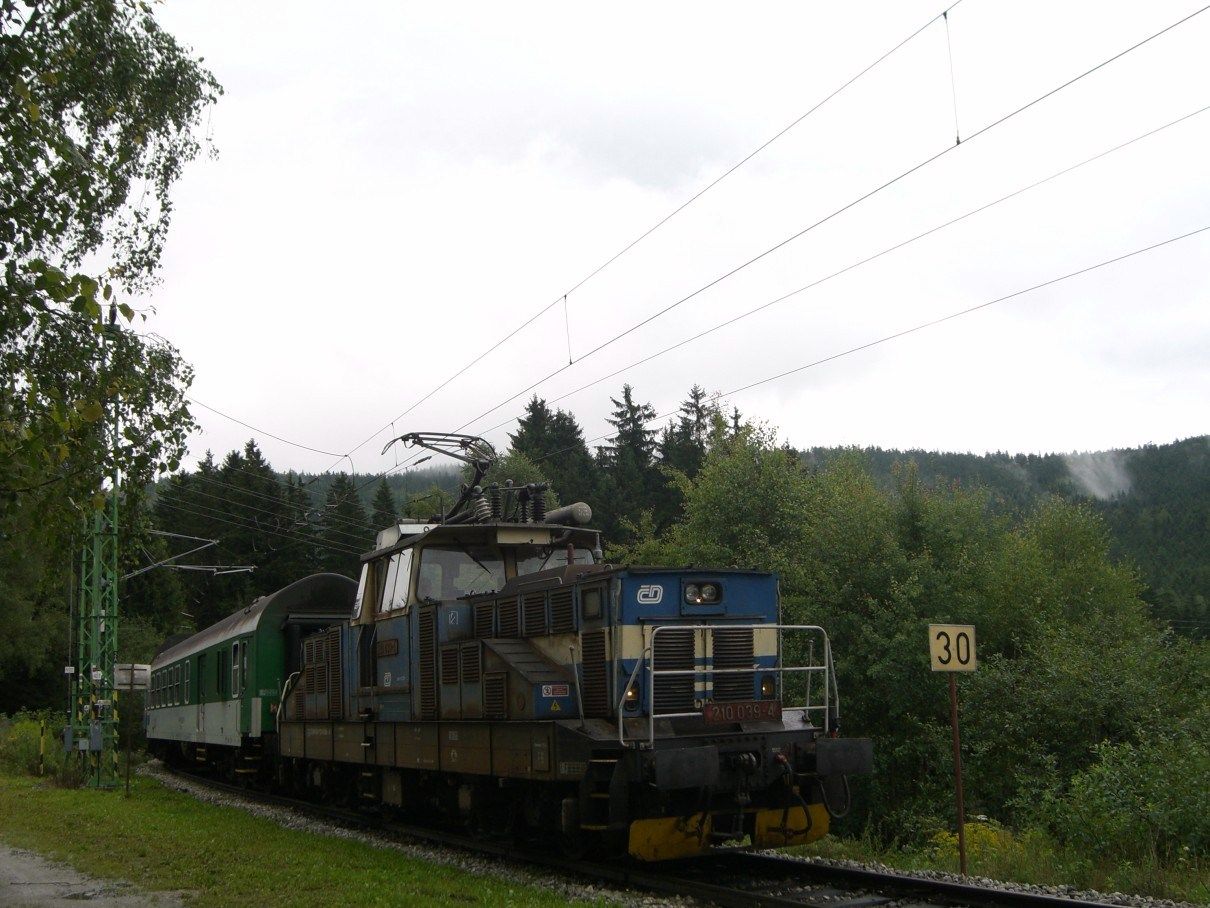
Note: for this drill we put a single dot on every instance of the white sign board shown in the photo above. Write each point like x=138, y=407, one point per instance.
x=123, y=680
x=952, y=647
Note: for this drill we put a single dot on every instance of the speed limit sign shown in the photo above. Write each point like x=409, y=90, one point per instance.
x=952, y=647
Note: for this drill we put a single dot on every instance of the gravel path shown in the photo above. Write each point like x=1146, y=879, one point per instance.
x=28, y=879
x=569, y=888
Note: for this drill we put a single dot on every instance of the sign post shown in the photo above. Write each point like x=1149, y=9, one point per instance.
x=952, y=650
x=133, y=676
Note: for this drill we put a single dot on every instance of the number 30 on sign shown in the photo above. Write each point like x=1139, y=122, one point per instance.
x=952, y=647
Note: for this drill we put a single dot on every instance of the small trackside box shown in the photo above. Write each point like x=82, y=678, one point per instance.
x=844, y=756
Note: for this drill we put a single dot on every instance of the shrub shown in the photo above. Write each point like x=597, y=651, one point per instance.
x=23, y=737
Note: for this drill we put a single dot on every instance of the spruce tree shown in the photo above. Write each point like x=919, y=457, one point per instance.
x=344, y=529
x=383, y=509
x=630, y=477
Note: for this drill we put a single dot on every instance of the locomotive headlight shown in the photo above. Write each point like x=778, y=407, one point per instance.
x=768, y=686
x=632, y=696
x=692, y=593
x=710, y=592
x=702, y=593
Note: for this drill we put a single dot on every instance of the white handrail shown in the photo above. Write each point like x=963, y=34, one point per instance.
x=779, y=668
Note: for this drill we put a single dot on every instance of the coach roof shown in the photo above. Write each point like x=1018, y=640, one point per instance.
x=318, y=594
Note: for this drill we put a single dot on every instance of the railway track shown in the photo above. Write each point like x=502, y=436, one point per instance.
x=733, y=879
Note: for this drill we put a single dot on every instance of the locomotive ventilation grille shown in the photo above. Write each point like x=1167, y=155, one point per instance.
x=510, y=619
x=449, y=665
x=534, y=610
x=562, y=615
x=428, y=668
x=595, y=686
x=335, y=677
x=472, y=663
x=673, y=650
x=495, y=694
x=733, y=648
x=484, y=619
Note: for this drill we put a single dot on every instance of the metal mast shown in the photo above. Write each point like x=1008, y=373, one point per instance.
x=94, y=719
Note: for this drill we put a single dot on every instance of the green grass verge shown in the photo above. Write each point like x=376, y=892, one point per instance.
x=1034, y=857
x=163, y=840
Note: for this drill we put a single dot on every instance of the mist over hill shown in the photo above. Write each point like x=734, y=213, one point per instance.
x=1154, y=499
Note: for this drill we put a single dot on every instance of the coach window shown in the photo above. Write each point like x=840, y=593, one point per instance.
x=235, y=669
x=243, y=667
x=186, y=680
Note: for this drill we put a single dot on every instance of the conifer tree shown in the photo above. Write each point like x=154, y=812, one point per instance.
x=628, y=463
x=344, y=530
x=383, y=509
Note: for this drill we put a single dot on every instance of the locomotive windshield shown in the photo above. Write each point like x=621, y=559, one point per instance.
x=452, y=571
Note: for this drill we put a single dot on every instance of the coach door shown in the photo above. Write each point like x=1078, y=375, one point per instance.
x=201, y=697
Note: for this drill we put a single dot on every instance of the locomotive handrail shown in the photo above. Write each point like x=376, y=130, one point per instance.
x=779, y=669
x=638, y=663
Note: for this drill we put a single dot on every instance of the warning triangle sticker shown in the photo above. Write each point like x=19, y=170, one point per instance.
x=554, y=707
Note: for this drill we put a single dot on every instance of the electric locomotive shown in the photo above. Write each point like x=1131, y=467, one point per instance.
x=489, y=668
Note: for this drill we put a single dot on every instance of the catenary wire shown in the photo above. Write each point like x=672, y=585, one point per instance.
x=655, y=227
x=881, y=187
x=908, y=331
x=330, y=525
x=864, y=261
x=221, y=518
x=286, y=441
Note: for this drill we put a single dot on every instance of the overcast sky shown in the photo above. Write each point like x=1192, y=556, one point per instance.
x=400, y=185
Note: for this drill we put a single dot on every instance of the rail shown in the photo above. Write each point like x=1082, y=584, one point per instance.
x=704, y=675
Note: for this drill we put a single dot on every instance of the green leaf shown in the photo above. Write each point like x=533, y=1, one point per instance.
x=91, y=411
x=126, y=311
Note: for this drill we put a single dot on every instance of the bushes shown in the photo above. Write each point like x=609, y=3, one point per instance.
x=1142, y=798
x=22, y=738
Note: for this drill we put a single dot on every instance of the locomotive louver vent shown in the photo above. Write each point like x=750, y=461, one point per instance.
x=535, y=614
x=484, y=613
x=510, y=623
x=733, y=648
x=471, y=663
x=428, y=668
x=335, y=676
x=562, y=616
x=673, y=650
x=449, y=665
x=595, y=684
x=495, y=696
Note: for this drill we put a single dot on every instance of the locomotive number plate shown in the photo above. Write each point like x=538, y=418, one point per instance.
x=743, y=711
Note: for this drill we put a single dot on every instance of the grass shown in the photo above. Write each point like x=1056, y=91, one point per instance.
x=163, y=840
x=1033, y=857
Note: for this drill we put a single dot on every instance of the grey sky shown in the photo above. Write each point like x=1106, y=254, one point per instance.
x=401, y=184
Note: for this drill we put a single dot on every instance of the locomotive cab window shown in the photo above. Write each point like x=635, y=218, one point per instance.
x=534, y=558
x=451, y=571
x=399, y=582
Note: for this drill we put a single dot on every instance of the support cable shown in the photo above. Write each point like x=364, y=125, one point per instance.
x=900, y=245
x=804, y=231
x=909, y=331
x=652, y=229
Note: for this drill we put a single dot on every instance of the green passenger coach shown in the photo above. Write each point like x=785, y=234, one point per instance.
x=222, y=686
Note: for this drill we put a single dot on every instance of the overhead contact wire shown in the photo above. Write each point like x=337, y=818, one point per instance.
x=891, y=182
x=908, y=331
x=900, y=245
x=652, y=229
